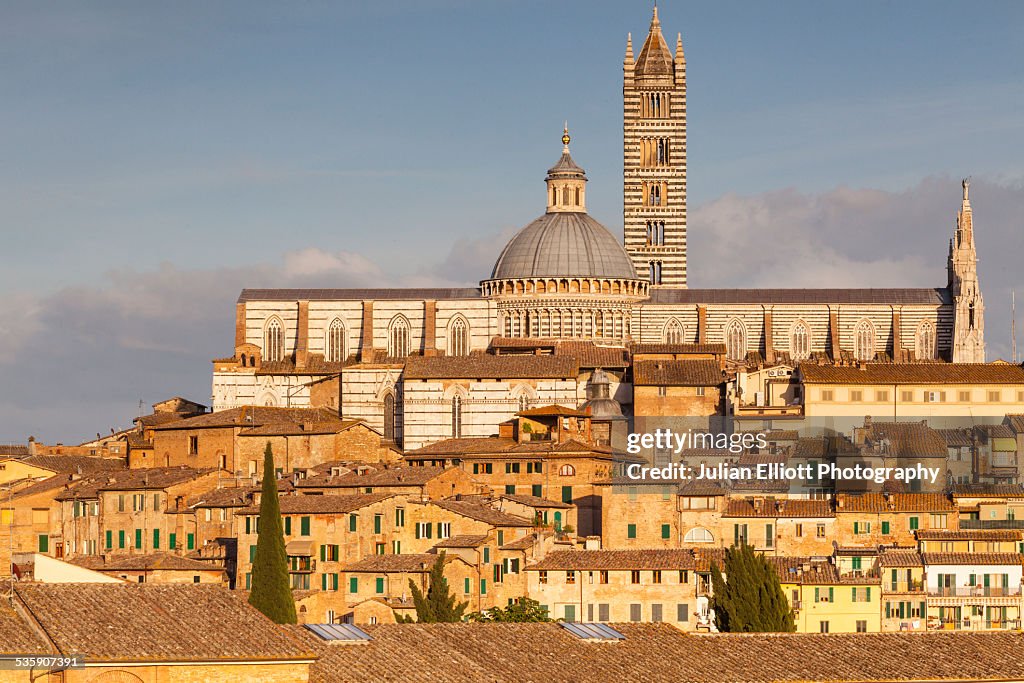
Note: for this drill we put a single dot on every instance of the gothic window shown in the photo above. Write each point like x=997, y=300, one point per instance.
x=655, y=272
x=736, y=340
x=273, y=340
x=389, y=416
x=336, y=341
x=399, y=343
x=456, y=417
x=674, y=332
x=524, y=402
x=662, y=152
x=926, y=341
x=655, y=195
x=800, y=341
x=458, y=337
x=864, y=340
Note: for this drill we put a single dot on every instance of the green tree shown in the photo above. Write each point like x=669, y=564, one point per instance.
x=271, y=593
x=521, y=610
x=439, y=604
x=749, y=598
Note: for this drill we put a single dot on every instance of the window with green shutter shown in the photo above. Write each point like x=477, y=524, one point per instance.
x=856, y=562
x=483, y=586
x=120, y=538
x=885, y=528
x=510, y=489
x=248, y=581
x=501, y=537
x=466, y=586
x=334, y=581
x=287, y=526
x=380, y=585
x=537, y=490
x=567, y=494
x=913, y=523
x=400, y=517
x=856, y=527
x=252, y=553
x=172, y=541
x=44, y=543
x=190, y=541
x=666, y=531
x=156, y=539
x=138, y=539
x=304, y=526
x=378, y=522
x=352, y=521
x=487, y=554
x=631, y=531
x=248, y=525
x=323, y=582
x=353, y=584
x=110, y=538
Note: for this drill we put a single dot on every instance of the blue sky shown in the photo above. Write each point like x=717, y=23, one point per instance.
x=152, y=147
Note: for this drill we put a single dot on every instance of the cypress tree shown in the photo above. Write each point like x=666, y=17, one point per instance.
x=749, y=597
x=438, y=605
x=271, y=593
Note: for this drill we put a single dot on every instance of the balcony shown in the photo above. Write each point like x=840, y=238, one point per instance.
x=973, y=524
x=903, y=586
x=975, y=625
x=974, y=591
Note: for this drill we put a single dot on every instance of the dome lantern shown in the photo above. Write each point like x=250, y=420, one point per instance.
x=566, y=181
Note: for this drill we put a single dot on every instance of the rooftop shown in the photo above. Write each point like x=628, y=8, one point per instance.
x=913, y=373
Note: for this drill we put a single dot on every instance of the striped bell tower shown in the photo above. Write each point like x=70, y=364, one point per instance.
x=654, y=158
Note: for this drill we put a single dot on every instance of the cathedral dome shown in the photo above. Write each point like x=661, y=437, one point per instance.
x=564, y=244
x=565, y=241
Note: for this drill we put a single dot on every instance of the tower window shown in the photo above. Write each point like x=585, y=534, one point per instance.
x=399, y=344
x=655, y=272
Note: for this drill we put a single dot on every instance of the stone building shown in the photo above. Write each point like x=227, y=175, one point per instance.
x=421, y=365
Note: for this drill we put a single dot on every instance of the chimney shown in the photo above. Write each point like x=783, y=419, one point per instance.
x=429, y=327
x=366, y=348
x=302, y=335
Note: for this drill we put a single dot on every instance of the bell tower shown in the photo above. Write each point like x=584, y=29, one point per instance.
x=654, y=158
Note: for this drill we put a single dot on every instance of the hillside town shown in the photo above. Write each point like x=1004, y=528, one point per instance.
x=486, y=433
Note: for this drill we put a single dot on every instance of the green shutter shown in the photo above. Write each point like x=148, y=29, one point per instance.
x=323, y=553
x=110, y=538
x=567, y=494
x=483, y=586
x=172, y=541
x=190, y=541
x=885, y=528
x=44, y=543
x=869, y=593
x=537, y=490
x=378, y=522
x=252, y=553
x=817, y=594
x=323, y=578
x=856, y=527
x=287, y=526
x=831, y=594
x=666, y=531
x=120, y=538
x=631, y=531
x=487, y=554
x=334, y=581
x=156, y=539
x=853, y=594
x=304, y=526
x=417, y=530
x=138, y=538
x=913, y=523
x=353, y=584
x=466, y=587
x=380, y=585
x=351, y=522
x=501, y=537
x=510, y=489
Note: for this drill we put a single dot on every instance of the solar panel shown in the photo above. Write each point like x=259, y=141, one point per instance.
x=591, y=631
x=339, y=632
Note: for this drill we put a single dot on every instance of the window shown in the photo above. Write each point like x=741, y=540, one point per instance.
x=458, y=337
x=542, y=576
x=885, y=530
x=399, y=517
x=914, y=523
x=273, y=341
x=156, y=539
x=860, y=593
x=864, y=340
x=379, y=585
x=193, y=445
x=882, y=396
x=424, y=530
x=656, y=576
x=682, y=612
x=939, y=521
x=662, y=391
x=799, y=530
x=674, y=332
x=304, y=526
x=862, y=626
x=566, y=471
x=336, y=341
x=736, y=340
x=826, y=394
x=994, y=396
x=566, y=495
x=823, y=627
x=287, y=526
x=635, y=612
x=862, y=527
x=353, y=584
x=800, y=340
x=634, y=576
x=856, y=396
x=444, y=530
x=389, y=416
x=926, y=341
x=656, y=612
x=700, y=391
x=399, y=338
x=907, y=396
x=820, y=532
x=456, y=417
x=699, y=535
x=666, y=531
x=631, y=531
x=964, y=396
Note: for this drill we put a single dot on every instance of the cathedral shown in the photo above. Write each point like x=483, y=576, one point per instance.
x=567, y=302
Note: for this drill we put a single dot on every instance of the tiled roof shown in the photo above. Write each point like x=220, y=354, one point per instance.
x=592, y=560
x=16, y=636
x=415, y=562
x=535, y=501
x=551, y=411
x=680, y=373
x=13, y=450
x=155, y=622
x=58, y=481
x=819, y=446
x=72, y=464
x=659, y=653
x=988, y=490
x=913, y=373
x=591, y=355
x=994, y=432
x=142, y=562
x=893, y=502
x=899, y=558
x=392, y=476
x=679, y=349
x=483, y=513
x=1016, y=423
x=911, y=439
x=437, y=293
x=254, y=416
x=223, y=497
x=973, y=558
x=486, y=366
x=298, y=505
x=956, y=438
x=970, y=535
x=293, y=429
x=524, y=543
x=804, y=570
x=696, y=487
x=778, y=507
x=147, y=479
x=468, y=541
x=502, y=446
x=314, y=365
x=675, y=295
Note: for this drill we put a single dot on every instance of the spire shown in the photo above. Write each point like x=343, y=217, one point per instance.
x=655, y=58
x=565, y=138
x=629, y=48
x=679, y=48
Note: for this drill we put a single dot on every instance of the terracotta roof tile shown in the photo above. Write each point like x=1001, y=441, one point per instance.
x=973, y=558
x=16, y=636
x=535, y=501
x=146, y=479
x=76, y=464
x=254, y=416
x=896, y=557
x=414, y=562
x=778, y=507
x=970, y=535
x=155, y=622
x=483, y=513
x=382, y=478
x=685, y=373
x=501, y=446
x=552, y=411
x=491, y=367
x=468, y=541
x=585, y=560
x=988, y=491
x=913, y=373
x=142, y=562
x=679, y=349
x=893, y=502
x=326, y=505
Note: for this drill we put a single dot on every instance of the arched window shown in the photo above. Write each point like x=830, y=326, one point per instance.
x=800, y=341
x=336, y=341
x=458, y=337
x=864, y=340
x=273, y=340
x=736, y=340
x=389, y=416
x=524, y=402
x=699, y=535
x=926, y=341
x=567, y=471
x=399, y=344
x=674, y=332
x=456, y=417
